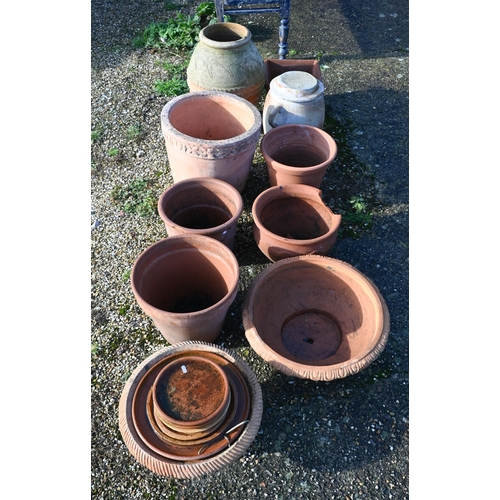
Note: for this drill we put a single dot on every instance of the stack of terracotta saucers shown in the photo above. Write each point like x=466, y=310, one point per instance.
x=190, y=409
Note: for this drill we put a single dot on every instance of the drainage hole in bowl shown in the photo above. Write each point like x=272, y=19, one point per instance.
x=311, y=335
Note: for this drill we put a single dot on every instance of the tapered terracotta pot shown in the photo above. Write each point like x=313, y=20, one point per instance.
x=297, y=154
x=211, y=134
x=206, y=206
x=315, y=317
x=226, y=60
x=186, y=284
x=292, y=220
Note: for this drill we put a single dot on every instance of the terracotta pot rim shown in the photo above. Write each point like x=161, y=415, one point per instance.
x=214, y=95
x=290, y=127
x=172, y=468
x=303, y=370
x=228, y=256
x=235, y=195
x=295, y=191
x=237, y=28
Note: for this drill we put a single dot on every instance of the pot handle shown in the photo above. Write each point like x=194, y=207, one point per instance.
x=272, y=112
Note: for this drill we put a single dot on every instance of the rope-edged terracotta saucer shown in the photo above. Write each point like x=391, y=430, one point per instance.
x=205, y=414
x=315, y=317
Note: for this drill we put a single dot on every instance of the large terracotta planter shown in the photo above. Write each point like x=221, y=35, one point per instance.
x=176, y=453
x=226, y=60
x=186, y=284
x=294, y=97
x=315, y=317
x=292, y=220
x=276, y=67
x=206, y=206
x=297, y=154
x=211, y=134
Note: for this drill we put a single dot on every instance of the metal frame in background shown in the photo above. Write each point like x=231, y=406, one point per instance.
x=282, y=7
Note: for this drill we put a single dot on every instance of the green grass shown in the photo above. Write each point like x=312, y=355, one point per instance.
x=113, y=152
x=96, y=134
x=137, y=197
x=170, y=88
x=134, y=132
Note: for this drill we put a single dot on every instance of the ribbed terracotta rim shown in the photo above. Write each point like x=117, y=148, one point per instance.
x=292, y=368
x=217, y=96
x=172, y=468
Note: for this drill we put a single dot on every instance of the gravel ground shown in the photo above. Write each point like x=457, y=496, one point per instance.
x=345, y=439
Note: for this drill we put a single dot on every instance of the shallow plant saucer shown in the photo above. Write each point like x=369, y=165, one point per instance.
x=181, y=458
x=315, y=317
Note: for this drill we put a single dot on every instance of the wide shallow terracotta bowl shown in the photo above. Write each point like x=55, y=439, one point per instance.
x=173, y=453
x=315, y=317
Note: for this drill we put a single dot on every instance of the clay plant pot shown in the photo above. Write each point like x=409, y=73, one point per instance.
x=211, y=134
x=297, y=154
x=186, y=284
x=276, y=67
x=194, y=456
x=226, y=60
x=294, y=97
x=206, y=206
x=315, y=317
x=292, y=220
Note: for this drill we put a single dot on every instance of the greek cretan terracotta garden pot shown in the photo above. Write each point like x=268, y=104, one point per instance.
x=292, y=220
x=276, y=67
x=170, y=402
x=206, y=206
x=186, y=284
x=294, y=97
x=315, y=317
x=211, y=134
x=297, y=154
x=226, y=60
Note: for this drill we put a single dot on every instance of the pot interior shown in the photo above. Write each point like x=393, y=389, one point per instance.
x=199, y=208
x=211, y=118
x=312, y=315
x=184, y=281
x=295, y=218
x=219, y=32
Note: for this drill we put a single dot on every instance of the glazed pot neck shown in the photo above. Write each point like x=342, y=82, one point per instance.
x=225, y=35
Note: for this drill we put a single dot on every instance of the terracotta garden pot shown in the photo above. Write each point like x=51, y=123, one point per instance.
x=315, y=317
x=294, y=97
x=292, y=220
x=177, y=454
x=186, y=284
x=206, y=206
x=226, y=60
x=297, y=154
x=276, y=67
x=211, y=134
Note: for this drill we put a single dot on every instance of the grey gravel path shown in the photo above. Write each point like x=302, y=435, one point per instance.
x=346, y=439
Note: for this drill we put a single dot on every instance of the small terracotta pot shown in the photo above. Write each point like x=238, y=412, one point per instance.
x=315, y=317
x=206, y=206
x=292, y=220
x=276, y=67
x=186, y=284
x=211, y=134
x=226, y=60
x=297, y=154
